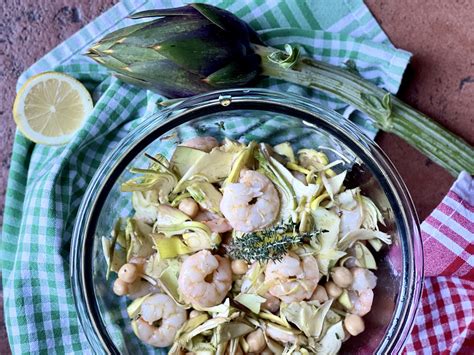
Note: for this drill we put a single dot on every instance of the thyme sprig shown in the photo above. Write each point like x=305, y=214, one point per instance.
x=269, y=244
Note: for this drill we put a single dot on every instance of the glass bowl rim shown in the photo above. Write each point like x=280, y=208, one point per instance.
x=116, y=161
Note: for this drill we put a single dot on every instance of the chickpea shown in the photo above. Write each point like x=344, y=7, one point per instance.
x=342, y=276
x=333, y=290
x=120, y=287
x=354, y=324
x=272, y=303
x=256, y=341
x=320, y=294
x=189, y=206
x=239, y=267
x=128, y=273
x=194, y=314
x=266, y=351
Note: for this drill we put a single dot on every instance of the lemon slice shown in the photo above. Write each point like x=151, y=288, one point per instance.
x=51, y=107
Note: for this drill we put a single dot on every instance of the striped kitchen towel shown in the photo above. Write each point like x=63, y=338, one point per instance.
x=445, y=319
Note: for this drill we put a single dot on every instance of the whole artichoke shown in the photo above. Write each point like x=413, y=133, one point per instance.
x=199, y=48
x=186, y=51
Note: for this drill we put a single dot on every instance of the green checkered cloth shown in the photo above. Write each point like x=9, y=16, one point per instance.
x=46, y=184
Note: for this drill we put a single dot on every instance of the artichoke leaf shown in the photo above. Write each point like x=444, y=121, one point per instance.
x=162, y=182
x=119, y=34
x=166, y=77
x=312, y=159
x=301, y=191
x=308, y=318
x=329, y=222
x=250, y=301
x=223, y=310
x=169, y=216
x=168, y=281
x=145, y=205
x=127, y=53
x=371, y=214
x=376, y=244
x=286, y=150
x=292, y=190
x=331, y=343
x=177, y=11
x=196, y=235
x=240, y=71
x=114, y=257
x=213, y=167
x=288, y=197
x=165, y=272
x=280, y=320
x=348, y=200
x=206, y=195
x=364, y=257
x=232, y=146
x=170, y=247
x=242, y=160
x=191, y=324
x=200, y=239
x=207, y=325
x=227, y=331
x=273, y=345
x=327, y=259
x=333, y=184
x=184, y=157
x=140, y=242
x=155, y=265
x=282, y=334
x=362, y=234
x=228, y=22
x=345, y=300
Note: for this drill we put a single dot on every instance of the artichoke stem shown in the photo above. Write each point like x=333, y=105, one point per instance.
x=387, y=112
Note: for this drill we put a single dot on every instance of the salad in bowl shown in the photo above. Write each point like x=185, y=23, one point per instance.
x=245, y=248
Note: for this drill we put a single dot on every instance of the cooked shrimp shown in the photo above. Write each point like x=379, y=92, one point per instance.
x=252, y=203
x=206, y=144
x=159, y=307
x=361, y=301
x=360, y=293
x=205, y=279
x=294, y=278
x=362, y=279
x=215, y=222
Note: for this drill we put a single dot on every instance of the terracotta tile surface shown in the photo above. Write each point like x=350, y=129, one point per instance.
x=439, y=82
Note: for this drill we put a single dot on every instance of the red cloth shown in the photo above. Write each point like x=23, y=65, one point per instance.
x=445, y=320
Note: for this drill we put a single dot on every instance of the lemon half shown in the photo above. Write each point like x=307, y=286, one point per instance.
x=51, y=107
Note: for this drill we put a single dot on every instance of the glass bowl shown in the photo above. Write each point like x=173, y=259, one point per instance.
x=249, y=114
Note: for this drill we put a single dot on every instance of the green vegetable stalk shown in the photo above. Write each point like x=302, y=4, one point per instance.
x=199, y=48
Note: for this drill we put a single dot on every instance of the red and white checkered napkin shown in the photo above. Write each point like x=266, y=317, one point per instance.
x=445, y=321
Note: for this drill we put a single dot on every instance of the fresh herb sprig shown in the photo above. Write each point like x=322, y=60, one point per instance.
x=268, y=244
